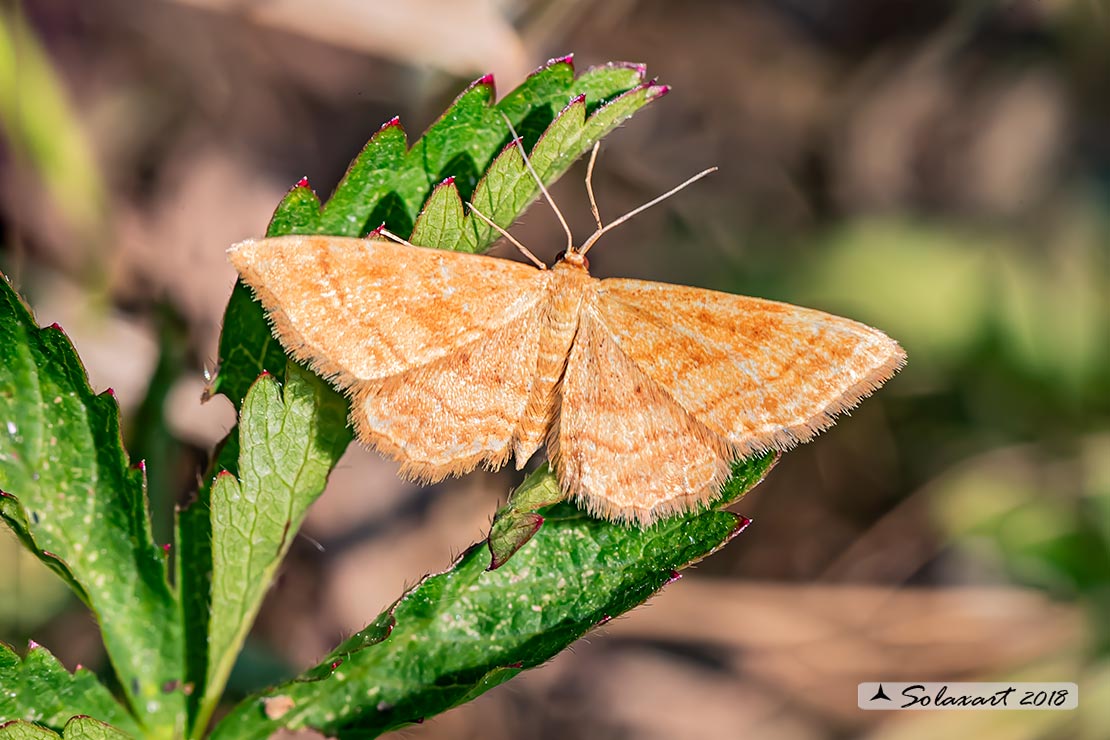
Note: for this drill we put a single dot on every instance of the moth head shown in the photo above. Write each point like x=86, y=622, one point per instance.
x=576, y=259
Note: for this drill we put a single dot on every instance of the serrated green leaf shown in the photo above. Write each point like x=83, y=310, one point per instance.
x=74, y=499
x=87, y=728
x=371, y=176
x=39, y=688
x=21, y=730
x=78, y=728
x=460, y=632
x=442, y=220
x=297, y=213
x=508, y=187
x=289, y=438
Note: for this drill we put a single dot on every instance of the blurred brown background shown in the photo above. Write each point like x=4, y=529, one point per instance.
x=940, y=170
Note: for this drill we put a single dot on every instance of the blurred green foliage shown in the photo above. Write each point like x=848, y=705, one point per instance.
x=1009, y=336
x=41, y=126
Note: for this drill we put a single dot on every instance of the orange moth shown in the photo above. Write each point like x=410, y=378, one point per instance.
x=645, y=393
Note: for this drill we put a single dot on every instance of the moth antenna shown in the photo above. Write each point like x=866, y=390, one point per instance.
x=543, y=189
x=393, y=237
x=597, y=234
x=523, y=249
x=590, y=186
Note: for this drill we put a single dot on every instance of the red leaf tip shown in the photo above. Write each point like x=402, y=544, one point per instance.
x=302, y=183
x=110, y=392
x=568, y=59
x=32, y=645
x=675, y=575
x=658, y=91
x=167, y=547
x=395, y=121
x=449, y=180
x=604, y=620
x=336, y=663
x=742, y=523
x=485, y=81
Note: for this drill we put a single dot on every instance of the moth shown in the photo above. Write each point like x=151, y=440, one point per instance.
x=644, y=392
